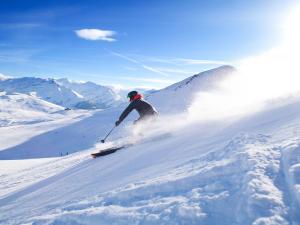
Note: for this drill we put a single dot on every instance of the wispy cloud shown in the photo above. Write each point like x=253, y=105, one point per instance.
x=152, y=69
x=125, y=57
x=170, y=66
x=17, y=56
x=19, y=25
x=96, y=34
x=175, y=71
x=180, y=61
x=146, y=67
x=131, y=68
x=148, y=80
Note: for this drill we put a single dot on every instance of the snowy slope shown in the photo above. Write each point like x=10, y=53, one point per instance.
x=80, y=134
x=47, y=89
x=16, y=108
x=180, y=95
x=97, y=95
x=91, y=128
x=242, y=171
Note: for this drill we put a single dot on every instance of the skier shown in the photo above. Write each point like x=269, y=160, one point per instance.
x=145, y=110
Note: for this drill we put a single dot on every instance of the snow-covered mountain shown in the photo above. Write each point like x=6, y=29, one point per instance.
x=178, y=96
x=47, y=89
x=16, y=109
x=82, y=95
x=89, y=95
x=96, y=95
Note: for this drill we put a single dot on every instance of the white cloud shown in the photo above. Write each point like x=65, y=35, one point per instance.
x=96, y=34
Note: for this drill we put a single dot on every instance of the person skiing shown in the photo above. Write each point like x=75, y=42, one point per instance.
x=145, y=110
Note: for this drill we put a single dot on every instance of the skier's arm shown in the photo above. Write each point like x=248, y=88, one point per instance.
x=125, y=113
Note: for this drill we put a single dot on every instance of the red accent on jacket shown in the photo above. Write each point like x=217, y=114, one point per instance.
x=136, y=97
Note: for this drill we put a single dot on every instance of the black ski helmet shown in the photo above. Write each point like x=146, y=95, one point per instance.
x=132, y=94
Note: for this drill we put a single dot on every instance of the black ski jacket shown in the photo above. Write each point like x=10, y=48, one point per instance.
x=142, y=107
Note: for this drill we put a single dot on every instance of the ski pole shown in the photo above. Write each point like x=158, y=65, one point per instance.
x=108, y=134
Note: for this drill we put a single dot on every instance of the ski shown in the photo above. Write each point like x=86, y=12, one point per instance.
x=108, y=151
x=111, y=150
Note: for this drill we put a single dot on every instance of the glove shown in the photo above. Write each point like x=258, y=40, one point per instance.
x=117, y=123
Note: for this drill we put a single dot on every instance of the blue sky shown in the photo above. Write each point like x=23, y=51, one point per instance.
x=133, y=43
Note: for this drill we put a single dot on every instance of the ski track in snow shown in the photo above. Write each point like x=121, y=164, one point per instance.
x=199, y=190
x=35, y=172
x=244, y=173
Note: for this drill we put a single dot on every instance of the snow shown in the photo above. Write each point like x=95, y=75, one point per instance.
x=44, y=139
x=82, y=95
x=98, y=95
x=16, y=108
x=67, y=93
x=182, y=94
x=242, y=170
x=47, y=89
x=30, y=171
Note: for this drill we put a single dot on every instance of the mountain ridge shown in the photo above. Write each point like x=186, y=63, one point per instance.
x=183, y=92
x=89, y=95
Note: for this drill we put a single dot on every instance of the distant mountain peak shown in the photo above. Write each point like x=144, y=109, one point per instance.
x=177, y=97
x=208, y=74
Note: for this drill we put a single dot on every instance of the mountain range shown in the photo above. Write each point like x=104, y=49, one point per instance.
x=62, y=92
x=88, y=95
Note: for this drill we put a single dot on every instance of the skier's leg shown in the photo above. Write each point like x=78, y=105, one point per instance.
x=138, y=127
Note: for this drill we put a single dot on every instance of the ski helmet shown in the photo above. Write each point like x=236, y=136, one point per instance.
x=132, y=94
